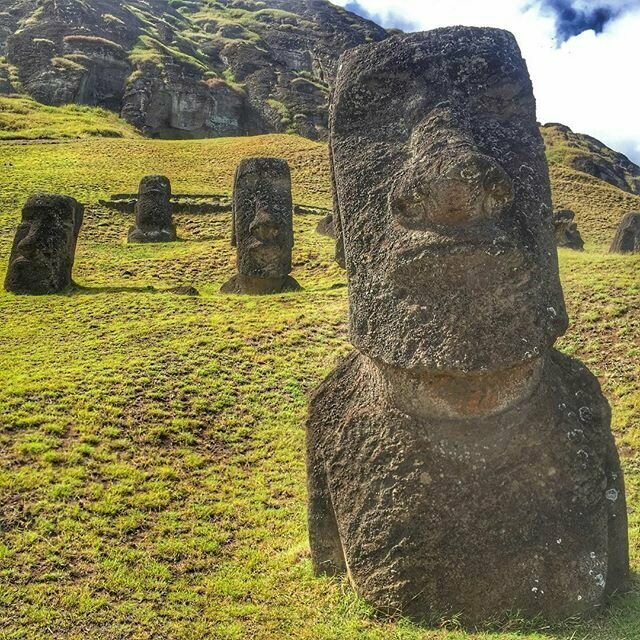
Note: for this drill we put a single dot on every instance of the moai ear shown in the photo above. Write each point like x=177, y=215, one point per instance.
x=337, y=222
x=234, y=239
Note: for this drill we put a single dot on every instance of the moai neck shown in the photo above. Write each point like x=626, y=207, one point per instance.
x=428, y=395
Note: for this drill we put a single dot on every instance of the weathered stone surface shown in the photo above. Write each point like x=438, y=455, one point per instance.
x=232, y=68
x=457, y=463
x=44, y=247
x=627, y=238
x=154, y=212
x=262, y=227
x=325, y=227
x=567, y=234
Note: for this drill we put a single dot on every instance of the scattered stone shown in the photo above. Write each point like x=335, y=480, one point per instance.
x=325, y=227
x=154, y=213
x=449, y=469
x=627, y=238
x=184, y=290
x=567, y=234
x=44, y=247
x=262, y=228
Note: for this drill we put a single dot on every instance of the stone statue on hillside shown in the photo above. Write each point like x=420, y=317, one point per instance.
x=154, y=212
x=567, y=234
x=45, y=245
x=262, y=227
x=627, y=238
x=325, y=227
x=457, y=463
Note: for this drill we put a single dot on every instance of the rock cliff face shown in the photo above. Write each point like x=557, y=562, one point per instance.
x=584, y=153
x=178, y=68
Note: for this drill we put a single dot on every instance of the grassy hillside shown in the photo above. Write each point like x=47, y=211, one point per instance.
x=22, y=118
x=152, y=480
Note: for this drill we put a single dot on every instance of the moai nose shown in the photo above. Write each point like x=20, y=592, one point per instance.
x=28, y=244
x=471, y=188
x=263, y=226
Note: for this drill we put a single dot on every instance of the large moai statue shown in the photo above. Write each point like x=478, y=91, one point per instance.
x=627, y=238
x=457, y=463
x=566, y=230
x=44, y=246
x=262, y=227
x=154, y=212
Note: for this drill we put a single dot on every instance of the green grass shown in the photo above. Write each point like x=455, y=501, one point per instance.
x=22, y=118
x=152, y=479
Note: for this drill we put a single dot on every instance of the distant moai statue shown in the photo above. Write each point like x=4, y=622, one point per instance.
x=566, y=230
x=457, y=463
x=627, y=238
x=154, y=212
x=325, y=227
x=44, y=246
x=262, y=227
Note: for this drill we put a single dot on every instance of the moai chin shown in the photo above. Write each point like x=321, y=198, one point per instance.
x=457, y=463
x=44, y=246
x=154, y=212
x=627, y=238
x=566, y=230
x=262, y=227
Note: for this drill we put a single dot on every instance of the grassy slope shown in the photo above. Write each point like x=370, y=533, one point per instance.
x=151, y=446
x=22, y=118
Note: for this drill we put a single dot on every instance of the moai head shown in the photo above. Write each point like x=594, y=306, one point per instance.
x=627, y=238
x=444, y=203
x=263, y=218
x=154, y=212
x=44, y=246
x=566, y=230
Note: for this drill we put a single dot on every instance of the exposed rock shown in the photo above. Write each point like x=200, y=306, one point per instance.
x=44, y=247
x=567, y=234
x=627, y=238
x=262, y=227
x=184, y=290
x=230, y=68
x=586, y=154
x=154, y=212
x=457, y=463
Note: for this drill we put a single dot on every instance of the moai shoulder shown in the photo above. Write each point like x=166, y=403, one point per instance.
x=457, y=463
x=44, y=246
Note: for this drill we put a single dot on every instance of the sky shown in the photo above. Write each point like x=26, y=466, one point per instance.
x=583, y=55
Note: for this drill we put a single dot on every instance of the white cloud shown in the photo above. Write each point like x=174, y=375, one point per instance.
x=589, y=83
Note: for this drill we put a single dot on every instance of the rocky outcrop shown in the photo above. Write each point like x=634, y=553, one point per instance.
x=584, y=153
x=185, y=69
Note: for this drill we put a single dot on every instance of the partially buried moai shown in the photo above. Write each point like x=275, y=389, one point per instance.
x=262, y=227
x=154, y=212
x=627, y=238
x=457, y=463
x=44, y=246
x=566, y=230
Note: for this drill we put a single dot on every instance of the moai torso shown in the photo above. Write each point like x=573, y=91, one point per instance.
x=44, y=247
x=154, y=212
x=627, y=238
x=566, y=230
x=262, y=227
x=457, y=463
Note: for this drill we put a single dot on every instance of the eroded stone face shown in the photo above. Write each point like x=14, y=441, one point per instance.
x=566, y=230
x=627, y=238
x=444, y=201
x=44, y=247
x=154, y=212
x=262, y=226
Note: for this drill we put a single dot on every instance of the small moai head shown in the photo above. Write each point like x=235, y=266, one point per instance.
x=153, y=208
x=44, y=247
x=566, y=230
x=627, y=238
x=263, y=217
x=444, y=203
